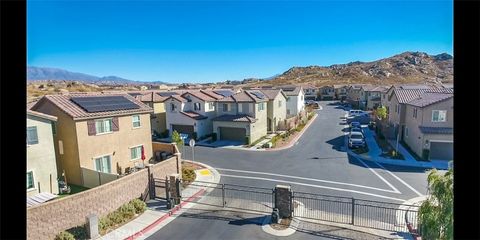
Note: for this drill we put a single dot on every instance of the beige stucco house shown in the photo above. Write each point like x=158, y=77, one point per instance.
x=311, y=92
x=354, y=95
x=107, y=133
x=276, y=108
x=241, y=117
x=340, y=92
x=371, y=96
x=429, y=126
x=327, y=92
x=41, y=161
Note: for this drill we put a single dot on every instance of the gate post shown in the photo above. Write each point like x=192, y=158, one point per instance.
x=353, y=211
x=151, y=183
x=175, y=188
x=223, y=195
x=283, y=201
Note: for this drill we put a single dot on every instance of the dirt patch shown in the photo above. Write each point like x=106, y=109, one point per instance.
x=193, y=166
x=284, y=224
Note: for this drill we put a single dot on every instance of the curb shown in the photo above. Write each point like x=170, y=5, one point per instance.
x=292, y=143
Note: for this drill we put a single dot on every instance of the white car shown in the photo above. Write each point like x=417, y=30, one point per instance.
x=353, y=113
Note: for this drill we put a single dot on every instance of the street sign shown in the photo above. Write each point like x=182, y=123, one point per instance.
x=191, y=143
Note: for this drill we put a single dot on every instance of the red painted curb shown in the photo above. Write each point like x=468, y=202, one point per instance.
x=296, y=139
x=158, y=221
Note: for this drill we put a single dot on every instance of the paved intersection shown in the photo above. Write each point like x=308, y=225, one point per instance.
x=318, y=163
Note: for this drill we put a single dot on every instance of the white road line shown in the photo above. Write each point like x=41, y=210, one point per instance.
x=400, y=180
x=308, y=179
x=378, y=175
x=315, y=186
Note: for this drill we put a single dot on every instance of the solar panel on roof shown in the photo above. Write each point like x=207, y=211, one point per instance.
x=415, y=87
x=167, y=94
x=104, y=103
x=258, y=94
x=225, y=93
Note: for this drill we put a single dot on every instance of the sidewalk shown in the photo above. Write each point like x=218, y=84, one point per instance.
x=157, y=215
x=375, y=151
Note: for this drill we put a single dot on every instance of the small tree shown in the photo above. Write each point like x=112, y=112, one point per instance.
x=381, y=112
x=436, y=213
x=178, y=140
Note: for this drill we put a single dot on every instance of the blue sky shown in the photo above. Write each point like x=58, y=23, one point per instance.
x=199, y=41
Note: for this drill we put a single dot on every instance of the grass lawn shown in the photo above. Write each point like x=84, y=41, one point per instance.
x=73, y=189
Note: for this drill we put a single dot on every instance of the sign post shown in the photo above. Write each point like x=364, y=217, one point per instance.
x=192, y=144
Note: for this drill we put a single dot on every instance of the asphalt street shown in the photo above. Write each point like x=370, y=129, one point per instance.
x=318, y=163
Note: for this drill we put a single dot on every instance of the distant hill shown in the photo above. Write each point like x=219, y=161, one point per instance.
x=56, y=74
x=407, y=67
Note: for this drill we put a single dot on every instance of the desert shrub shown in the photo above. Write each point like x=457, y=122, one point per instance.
x=139, y=205
x=127, y=211
x=188, y=174
x=64, y=236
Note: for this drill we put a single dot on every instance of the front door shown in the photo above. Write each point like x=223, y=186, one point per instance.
x=269, y=125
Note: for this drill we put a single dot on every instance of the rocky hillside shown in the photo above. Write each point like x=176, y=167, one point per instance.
x=408, y=67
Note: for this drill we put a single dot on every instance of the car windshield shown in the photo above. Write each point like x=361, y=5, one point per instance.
x=356, y=130
x=356, y=136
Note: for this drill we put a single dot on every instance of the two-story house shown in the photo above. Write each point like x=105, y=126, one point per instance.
x=241, y=117
x=395, y=101
x=191, y=113
x=41, y=161
x=354, y=95
x=371, y=96
x=311, y=92
x=276, y=108
x=106, y=133
x=295, y=99
x=429, y=126
x=327, y=92
x=340, y=92
x=158, y=119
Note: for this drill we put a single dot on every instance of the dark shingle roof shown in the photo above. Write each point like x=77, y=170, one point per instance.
x=436, y=130
x=234, y=118
x=291, y=90
x=428, y=98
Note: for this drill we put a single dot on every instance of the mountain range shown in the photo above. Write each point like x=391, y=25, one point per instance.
x=407, y=67
x=56, y=74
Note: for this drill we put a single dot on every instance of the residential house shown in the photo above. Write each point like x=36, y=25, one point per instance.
x=327, y=92
x=295, y=99
x=311, y=92
x=396, y=99
x=106, y=133
x=372, y=96
x=354, y=95
x=340, y=92
x=241, y=117
x=276, y=108
x=41, y=162
x=158, y=119
x=191, y=113
x=429, y=126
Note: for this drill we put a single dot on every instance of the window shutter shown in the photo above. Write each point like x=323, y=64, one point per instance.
x=115, y=126
x=91, y=127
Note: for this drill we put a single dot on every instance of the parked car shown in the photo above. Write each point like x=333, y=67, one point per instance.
x=363, y=119
x=354, y=112
x=355, y=125
x=314, y=105
x=356, y=140
x=357, y=129
x=308, y=102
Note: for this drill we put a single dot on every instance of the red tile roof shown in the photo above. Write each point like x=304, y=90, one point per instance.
x=64, y=103
x=235, y=118
x=243, y=96
x=407, y=95
x=194, y=115
x=429, y=98
x=200, y=95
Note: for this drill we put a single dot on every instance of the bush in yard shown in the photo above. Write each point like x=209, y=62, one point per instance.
x=64, y=236
x=381, y=112
x=178, y=140
x=188, y=174
x=127, y=210
x=436, y=213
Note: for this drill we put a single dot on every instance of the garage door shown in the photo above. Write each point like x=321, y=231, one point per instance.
x=441, y=150
x=187, y=129
x=233, y=134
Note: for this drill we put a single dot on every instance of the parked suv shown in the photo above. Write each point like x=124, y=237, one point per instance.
x=356, y=140
x=357, y=129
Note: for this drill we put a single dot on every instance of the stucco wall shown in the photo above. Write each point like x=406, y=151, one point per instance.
x=295, y=104
x=275, y=113
x=116, y=144
x=41, y=157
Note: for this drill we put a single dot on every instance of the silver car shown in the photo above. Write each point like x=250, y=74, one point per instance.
x=356, y=140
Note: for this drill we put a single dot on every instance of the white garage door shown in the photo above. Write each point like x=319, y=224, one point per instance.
x=441, y=150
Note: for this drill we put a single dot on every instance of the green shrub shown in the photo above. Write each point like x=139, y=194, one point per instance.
x=188, y=174
x=64, y=236
x=104, y=224
x=139, y=205
x=127, y=211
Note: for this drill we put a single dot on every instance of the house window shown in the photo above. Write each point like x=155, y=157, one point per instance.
x=103, y=126
x=30, y=181
x=260, y=106
x=239, y=107
x=211, y=106
x=103, y=164
x=415, y=113
x=32, y=137
x=225, y=107
x=172, y=107
x=136, y=121
x=439, y=116
x=196, y=106
x=136, y=152
x=279, y=103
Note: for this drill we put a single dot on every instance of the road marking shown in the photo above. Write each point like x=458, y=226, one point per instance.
x=309, y=179
x=205, y=172
x=378, y=175
x=400, y=180
x=315, y=186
